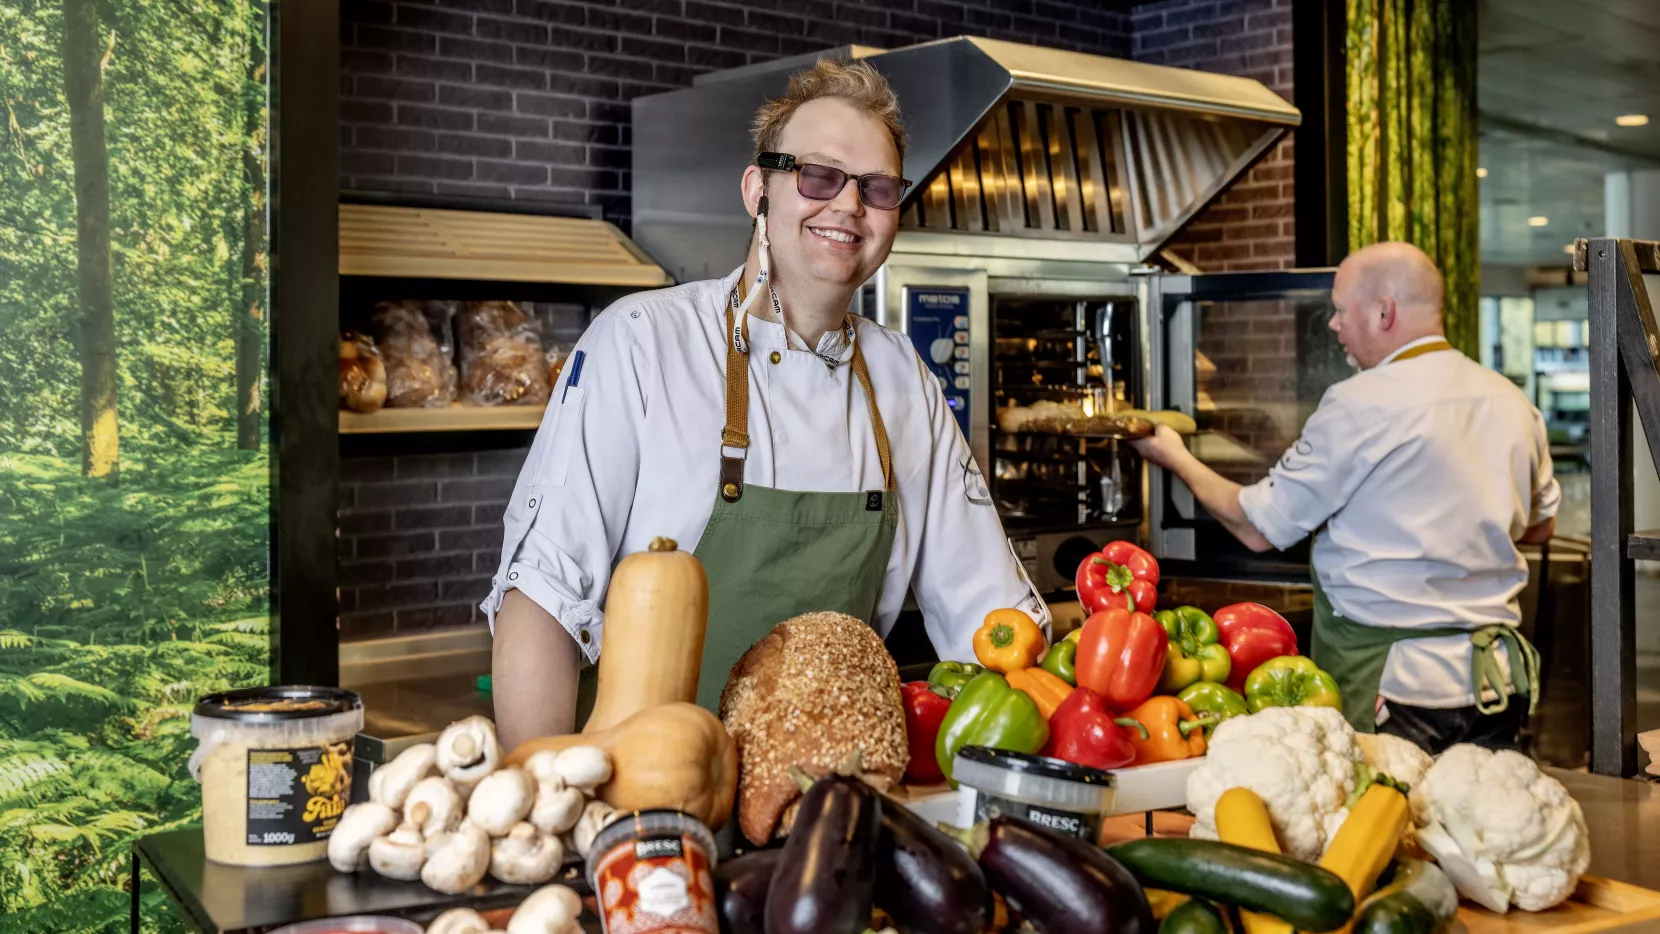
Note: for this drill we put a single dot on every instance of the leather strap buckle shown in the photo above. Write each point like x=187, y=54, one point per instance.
x=731, y=478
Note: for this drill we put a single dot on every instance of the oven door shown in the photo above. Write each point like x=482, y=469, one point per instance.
x=1249, y=356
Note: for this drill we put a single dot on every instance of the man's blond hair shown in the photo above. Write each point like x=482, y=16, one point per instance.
x=855, y=82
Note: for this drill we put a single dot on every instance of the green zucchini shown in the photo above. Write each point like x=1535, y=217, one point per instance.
x=1307, y=896
x=1396, y=912
x=1194, y=916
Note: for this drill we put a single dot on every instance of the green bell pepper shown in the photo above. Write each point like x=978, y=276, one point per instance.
x=1193, y=653
x=1291, y=681
x=987, y=712
x=951, y=676
x=1062, y=661
x=1218, y=700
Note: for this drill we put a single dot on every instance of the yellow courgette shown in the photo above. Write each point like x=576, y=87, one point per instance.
x=1242, y=818
x=1367, y=840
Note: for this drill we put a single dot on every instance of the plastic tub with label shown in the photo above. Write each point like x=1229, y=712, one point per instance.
x=275, y=765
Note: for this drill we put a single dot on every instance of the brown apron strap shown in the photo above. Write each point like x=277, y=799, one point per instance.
x=1422, y=349
x=736, y=432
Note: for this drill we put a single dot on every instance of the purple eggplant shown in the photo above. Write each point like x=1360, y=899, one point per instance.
x=741, y=891
x=825, y=877
x=925, y=879
x=1061, y=884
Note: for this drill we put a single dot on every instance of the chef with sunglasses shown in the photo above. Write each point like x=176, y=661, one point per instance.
x=806, y=455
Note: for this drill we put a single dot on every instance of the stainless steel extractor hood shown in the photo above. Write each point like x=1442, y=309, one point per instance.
x=1005, y=140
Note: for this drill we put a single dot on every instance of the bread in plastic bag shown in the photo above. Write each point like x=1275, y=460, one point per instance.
x=414, y=340
x=501, y=356
x=362, y=374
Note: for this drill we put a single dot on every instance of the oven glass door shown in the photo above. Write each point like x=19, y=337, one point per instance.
x=1249, y=356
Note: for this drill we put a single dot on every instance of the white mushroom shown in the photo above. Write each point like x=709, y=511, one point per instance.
x=552, y=909
x=390, y=783
x=584, y=767
x=543, y=765
x=594, y=818
x=434, y=806
x=399, y=855
x=468, y=751
x=459, y=921
x=359, y=825
x=456, y=861
x=557, y=808
x=501, y=799
x=526, y=856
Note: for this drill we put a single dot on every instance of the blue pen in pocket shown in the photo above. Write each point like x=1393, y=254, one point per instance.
x=576, y=374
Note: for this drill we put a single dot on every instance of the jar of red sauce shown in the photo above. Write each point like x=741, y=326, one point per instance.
x=653, y=873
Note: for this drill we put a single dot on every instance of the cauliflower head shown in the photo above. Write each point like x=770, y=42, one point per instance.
x=1299, y=760
x=1506, y=832
x=1401, y=760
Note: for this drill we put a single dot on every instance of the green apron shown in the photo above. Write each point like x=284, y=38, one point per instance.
x=1354, y=654
x=773, y=554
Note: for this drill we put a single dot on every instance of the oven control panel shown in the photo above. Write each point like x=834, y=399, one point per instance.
x=937, y=321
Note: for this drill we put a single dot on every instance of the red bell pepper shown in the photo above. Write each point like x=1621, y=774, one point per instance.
x=924, y=711
x=1252, y=634
x=1121, y=656
x=1085, y=730
x=1121, y=569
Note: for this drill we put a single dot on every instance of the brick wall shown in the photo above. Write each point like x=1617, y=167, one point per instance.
x=420, y=536
x=1251, y=225
x=529, y=98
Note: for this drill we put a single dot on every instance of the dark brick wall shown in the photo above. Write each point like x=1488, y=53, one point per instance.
x=420, y=536
x=529, y=98
x=1251, y=226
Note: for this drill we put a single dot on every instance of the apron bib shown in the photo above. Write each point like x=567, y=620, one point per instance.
x=772, y=554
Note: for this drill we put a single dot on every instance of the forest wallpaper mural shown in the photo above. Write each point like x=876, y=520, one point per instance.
x=134, y=474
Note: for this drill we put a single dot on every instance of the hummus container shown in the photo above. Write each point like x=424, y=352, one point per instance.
x=1062, y=796
x=275, y=765
x=653, y=873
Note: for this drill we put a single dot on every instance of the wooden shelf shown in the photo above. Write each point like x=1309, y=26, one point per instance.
x=452, y=418
x=404, y=242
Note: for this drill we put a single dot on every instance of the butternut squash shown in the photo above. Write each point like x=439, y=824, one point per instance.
x=670, y=756
x=656, y=613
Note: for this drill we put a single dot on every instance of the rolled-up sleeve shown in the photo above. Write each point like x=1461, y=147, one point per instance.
x=572, y=499
x=1315, y=477
x=965, y=567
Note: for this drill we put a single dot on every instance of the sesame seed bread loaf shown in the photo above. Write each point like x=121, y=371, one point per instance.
x=815, y=690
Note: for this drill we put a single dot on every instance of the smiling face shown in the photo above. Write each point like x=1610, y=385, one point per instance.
x=838, y=243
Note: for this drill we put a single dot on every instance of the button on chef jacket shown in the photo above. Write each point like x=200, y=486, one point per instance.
x=633, y=452
x=1419, y=476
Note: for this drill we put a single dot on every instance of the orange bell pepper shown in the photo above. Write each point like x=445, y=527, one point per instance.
x=1173, y=731
x=1008, y=641
x=1045, y=687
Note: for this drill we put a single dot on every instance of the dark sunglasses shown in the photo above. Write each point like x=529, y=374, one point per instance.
x=823, y=182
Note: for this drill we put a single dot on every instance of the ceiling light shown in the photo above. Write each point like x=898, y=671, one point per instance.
x=1538, y=220
x=1481, y=173
x=1632, y=120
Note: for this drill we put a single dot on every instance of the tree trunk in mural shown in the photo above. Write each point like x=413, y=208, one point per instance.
x=84, y=87
x=1412, y=140
x=250, y=308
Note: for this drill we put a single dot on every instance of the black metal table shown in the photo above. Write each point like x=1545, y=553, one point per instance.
x=218, y=899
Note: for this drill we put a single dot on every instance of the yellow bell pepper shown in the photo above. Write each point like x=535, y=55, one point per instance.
x=1008, y=641
x=1044, y=687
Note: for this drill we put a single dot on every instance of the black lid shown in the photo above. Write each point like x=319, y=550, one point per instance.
x=1041, y=766
x=277, y=703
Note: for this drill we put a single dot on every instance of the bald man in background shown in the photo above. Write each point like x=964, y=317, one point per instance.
x=1418, y=476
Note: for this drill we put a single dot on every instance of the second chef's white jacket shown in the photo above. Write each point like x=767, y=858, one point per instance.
x=1419, y=476
x=632, y=452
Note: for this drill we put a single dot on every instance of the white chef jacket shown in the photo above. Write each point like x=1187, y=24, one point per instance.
x=632, y=452
x=1420, y=475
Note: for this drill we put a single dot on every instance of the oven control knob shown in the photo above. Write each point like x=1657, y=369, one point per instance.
x=1071, y=553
